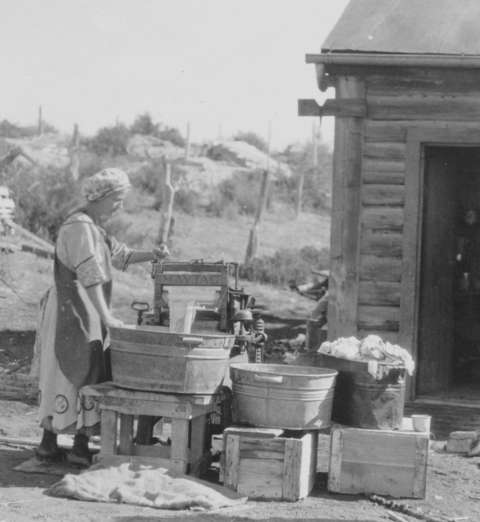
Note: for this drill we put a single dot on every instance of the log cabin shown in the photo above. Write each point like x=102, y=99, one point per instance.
x=406, y=77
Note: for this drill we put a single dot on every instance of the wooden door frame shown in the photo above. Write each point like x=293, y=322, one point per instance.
x=453, y=135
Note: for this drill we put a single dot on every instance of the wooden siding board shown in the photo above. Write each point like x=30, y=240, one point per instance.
x=382, y=244
x=379, y=293
x=383, y=194
x=374, y=268
x=344, y=250
x=389, y=151
x=383, y=218
x=381, y=318
x=433, y=107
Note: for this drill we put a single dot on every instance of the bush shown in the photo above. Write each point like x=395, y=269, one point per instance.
x=252, y=139
x=43, y=199
x=12, y=130
x=110, y=141
x=144, y=124
x=285, y=265
x=172, y=135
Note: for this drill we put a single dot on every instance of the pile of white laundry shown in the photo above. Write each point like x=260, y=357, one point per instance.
x=371, y=348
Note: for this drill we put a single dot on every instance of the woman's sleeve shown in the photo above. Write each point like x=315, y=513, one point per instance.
x=85, y=254
x=121, y=254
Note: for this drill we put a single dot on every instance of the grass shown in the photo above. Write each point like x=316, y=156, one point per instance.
x=27, y=277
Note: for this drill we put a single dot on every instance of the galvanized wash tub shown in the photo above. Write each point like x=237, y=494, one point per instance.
x=151, y=358
x=282, y=396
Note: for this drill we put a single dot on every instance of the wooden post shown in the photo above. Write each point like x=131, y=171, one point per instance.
x=168, y=196
x=299, y=193
x=252, y=246
x=344, y=242
x=74, y=153
x=40, y=121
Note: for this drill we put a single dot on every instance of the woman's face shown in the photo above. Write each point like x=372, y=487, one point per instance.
x=106, y=207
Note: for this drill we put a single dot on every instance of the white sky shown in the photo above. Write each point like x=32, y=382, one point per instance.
x=223, y=65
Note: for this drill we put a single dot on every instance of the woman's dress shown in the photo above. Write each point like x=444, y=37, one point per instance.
x=72, y=337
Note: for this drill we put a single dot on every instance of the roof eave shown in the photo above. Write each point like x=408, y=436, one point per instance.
x=394, y=59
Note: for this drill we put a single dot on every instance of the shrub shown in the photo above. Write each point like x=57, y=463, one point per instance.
x=285, y=265
x=172, y=135
x=111, y=141
x=253, y=139
x=144, y=124
x=43, y=199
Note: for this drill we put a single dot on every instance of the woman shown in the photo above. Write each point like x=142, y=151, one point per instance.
x=77, y=315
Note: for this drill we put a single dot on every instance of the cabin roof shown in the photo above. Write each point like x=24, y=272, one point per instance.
x=440, y=27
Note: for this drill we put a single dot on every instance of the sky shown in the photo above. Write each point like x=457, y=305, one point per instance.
x=222, y=65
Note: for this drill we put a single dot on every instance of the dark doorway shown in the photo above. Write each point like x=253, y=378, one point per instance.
x=449, y=304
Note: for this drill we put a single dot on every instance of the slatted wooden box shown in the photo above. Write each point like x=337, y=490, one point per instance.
x=382, y=462
x=267, y=464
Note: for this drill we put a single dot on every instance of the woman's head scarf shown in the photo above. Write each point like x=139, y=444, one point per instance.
x=104, y=183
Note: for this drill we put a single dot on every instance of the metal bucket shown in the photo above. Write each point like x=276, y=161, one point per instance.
x=151, y=358
x=282, y=396
x=362, y=401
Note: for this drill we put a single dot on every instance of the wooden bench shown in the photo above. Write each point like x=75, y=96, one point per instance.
x=119, y=407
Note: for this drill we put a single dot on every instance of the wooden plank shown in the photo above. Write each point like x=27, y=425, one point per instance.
x=198, y=432
x=383, y=195
x=422, y=80
x=347, y=168
x=396, y=130
x=291, y=469
x=155, y=451
x=335, y=463
x=308, y=463
x=377, y=461
x=383, y=165
x=134, y=407
x=384, y=151
x=430, y=108
x=385, y=132
x=232, y=460
x=179, y=456
x=260, y=479
x=379, y=293
x=126, y=434
x=382, y=218
x=252, y=444
x=382, y=318
x=108, y=428
x=381, y=244
x=375, y=268
x=421, y=459
x=391, y=337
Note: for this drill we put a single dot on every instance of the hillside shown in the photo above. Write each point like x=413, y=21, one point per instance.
x=24, y=277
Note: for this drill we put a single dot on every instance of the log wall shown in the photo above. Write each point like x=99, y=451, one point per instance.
x=398, y=100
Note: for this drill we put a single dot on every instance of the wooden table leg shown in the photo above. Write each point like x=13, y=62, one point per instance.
x=198, y=461
x=126, y=434
x=108, y=429
x=179, y=455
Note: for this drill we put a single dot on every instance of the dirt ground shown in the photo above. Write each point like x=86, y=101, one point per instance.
x=453, y=490
x=453, y=487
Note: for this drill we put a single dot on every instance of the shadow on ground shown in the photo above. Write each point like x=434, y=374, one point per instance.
x=9, y=458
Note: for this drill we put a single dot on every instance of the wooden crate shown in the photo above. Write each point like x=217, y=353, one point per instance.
x=262, y=466
x=382, y=462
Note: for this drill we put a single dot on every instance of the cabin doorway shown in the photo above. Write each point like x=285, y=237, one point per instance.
x=449, y=299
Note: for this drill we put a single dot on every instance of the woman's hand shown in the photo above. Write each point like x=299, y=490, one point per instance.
x=160, y=252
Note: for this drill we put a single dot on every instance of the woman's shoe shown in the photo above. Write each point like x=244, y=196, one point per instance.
x=57, y=455
x=76, y=459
